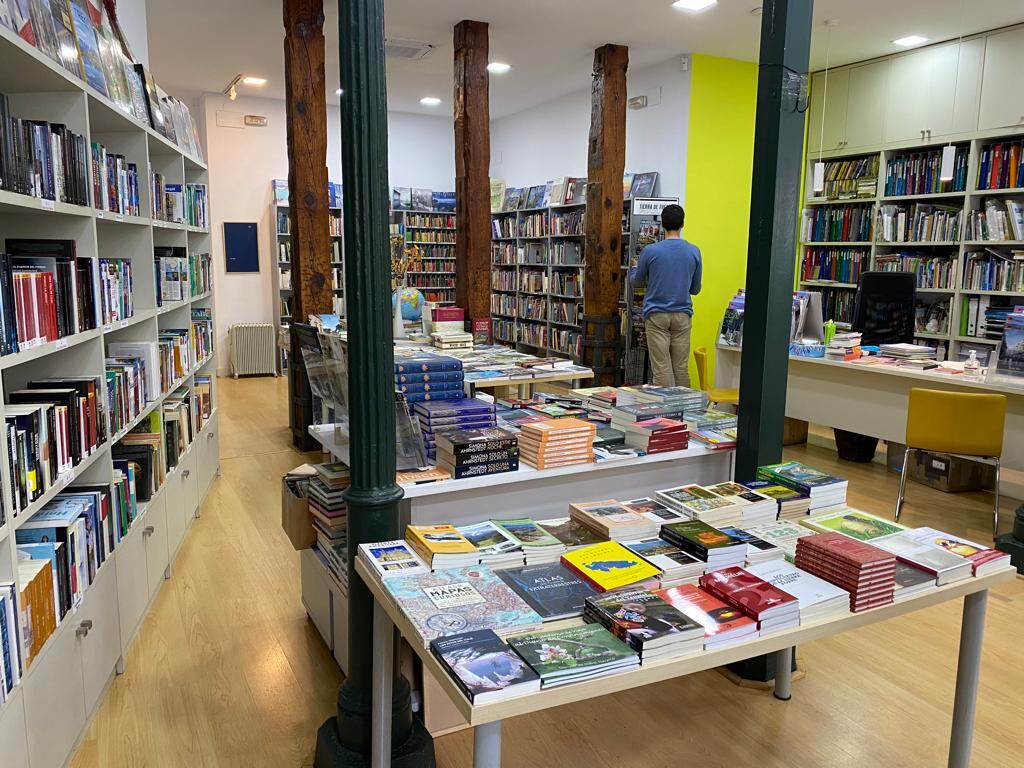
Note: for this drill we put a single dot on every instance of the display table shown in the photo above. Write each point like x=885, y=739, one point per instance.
x=872, y=399
x=526, y=385
x=486, y=718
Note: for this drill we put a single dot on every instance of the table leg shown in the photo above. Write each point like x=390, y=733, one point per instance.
x=968, y=670
x=383, y=660
x=783, y=674
x=487, y=745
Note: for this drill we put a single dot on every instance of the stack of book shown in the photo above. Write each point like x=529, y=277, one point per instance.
x=610, y=565
x=538, y=545
x=783, y=533
x=791, y=505
x=716, y=440
x=654, y=510
x=476, y=452
x=699, y=503
x=758, y=550
x=435, y=416
x=983, y=559
x=494, y=547
x=429, y=377
x=647, y=623
x=723, y=625
x=561, y=656
x=907, y=351
x=707, y=544
x=711, y=420
x=441, y=546
x=484, y=667
x=659, y=435
x=755, y=508
x=458, y=600
x=449, y=340
x=600, y=399
x=613, y=521
x=866, y=572
x=571, y=533
x=388, y=559
x=551, y=589
x=825, y=491
x=920, y=552
x=844, y=345
x=681, y=398
x=326, y=493
x=911, y=581
x=853, y=523
x=819, y=600
x=557, y=443
x=676, y=566
x=772, y=608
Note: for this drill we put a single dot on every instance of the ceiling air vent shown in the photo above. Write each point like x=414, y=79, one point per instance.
x=410, y=50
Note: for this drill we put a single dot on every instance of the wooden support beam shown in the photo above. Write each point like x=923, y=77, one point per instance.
x=606, y=163
x=472, y=170
x=306, y=111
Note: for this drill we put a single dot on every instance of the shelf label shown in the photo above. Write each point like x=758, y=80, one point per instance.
x=61, y=344
x=99, y=214
x=124, y=323
x=46, y=205
x=65, y=478
x=108, y=327
x=119, y=217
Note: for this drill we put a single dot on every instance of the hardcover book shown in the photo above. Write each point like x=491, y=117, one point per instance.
x=551, y=589
x=488, y=538
x=564, y=655
x=609, y=565
x=739, y=587
x=641, y=618
x=798, y=476
x=484, y=666
x=392, y=558
x=526, y=533
x=862, y=526
x=693, y=498
x=460, y=600
x=947, y=566
x=716, y=617
x=698, y=536
x=983, y=559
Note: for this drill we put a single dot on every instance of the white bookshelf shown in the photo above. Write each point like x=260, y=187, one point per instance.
x=48, y=711
x=969, y=199
x=281, y=274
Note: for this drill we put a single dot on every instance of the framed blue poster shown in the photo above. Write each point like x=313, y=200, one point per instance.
x=241, y=247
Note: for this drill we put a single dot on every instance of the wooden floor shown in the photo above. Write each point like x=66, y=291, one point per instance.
x=227, y=671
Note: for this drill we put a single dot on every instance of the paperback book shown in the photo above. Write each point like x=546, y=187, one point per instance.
x=551, y=589
x=571, y=654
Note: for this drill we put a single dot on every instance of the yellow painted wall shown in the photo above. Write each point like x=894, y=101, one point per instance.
x=719, y=160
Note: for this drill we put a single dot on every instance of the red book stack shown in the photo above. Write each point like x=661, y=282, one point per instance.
x=657, y=435
x=866, y=572
x=765, y=603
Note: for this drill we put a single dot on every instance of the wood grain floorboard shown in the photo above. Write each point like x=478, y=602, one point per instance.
x=227, y=670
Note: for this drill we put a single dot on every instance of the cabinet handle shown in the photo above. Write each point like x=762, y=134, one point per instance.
x=83, y=628
x=186, y=473
x=148, y=530
x=210, y=435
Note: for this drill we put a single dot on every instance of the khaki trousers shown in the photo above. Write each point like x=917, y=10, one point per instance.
x=668, y=341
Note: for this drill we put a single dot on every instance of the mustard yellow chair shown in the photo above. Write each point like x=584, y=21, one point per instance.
x=957, y=423
x=715, y=394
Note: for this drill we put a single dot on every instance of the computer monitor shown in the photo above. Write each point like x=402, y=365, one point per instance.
x=808, y=325
x=883, y=310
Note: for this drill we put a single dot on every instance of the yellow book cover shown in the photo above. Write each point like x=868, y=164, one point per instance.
x=437, y=540
x=609, y=565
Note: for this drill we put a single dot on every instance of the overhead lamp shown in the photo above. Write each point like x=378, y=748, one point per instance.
x=430, y=101
x=232, y=93
x=694, y=6
x=910, y=40
x=498, y=68
x=258, y=82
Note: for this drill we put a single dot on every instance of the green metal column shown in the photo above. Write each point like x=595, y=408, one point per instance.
x=771, y=262
x=774, y=205
x=373, y=497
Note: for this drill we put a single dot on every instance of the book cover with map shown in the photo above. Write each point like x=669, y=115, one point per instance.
x=609, y=565
x=460, y=600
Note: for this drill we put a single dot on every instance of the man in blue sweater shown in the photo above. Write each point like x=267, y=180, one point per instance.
x=671, y=272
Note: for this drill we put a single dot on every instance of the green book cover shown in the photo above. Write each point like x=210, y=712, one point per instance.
x=853, y=523
x=526, y=532
x=573, y=649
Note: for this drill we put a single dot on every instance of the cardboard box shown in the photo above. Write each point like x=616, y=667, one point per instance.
x=296, y=518
x=950, y=474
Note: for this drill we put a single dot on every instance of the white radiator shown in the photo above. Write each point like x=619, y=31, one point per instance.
x=252, y=349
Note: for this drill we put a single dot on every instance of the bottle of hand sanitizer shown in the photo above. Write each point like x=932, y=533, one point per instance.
x=972, y=367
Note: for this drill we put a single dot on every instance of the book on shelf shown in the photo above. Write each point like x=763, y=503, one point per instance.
x=36, y=603
x=850, y=179
x=484, y=667
x=919, y=173
x=571, y=654
x=459, y=600
x=170, y=267
x=1001, y=165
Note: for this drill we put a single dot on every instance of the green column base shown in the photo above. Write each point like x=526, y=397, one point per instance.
x=416, y=752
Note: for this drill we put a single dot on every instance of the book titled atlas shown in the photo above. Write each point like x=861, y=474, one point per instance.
x=551, y=589
x=460, y=600
x=484, y=666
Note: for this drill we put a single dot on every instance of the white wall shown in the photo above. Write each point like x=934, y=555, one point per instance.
x=550, y=140
x=243, y=161
x=131, y=14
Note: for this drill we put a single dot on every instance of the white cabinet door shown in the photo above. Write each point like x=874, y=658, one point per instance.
x=316, y=595
x=1002, y=97
x=101, y=647
x=865, y=111
x=132, y=582
x=209, y=456
x=954, y=80
x=828, y=106
x=174, y=493
x=190, y=482
x=154, y=535
x=968, y=87
x=55, y=699
x=907, y=97
x=13, y=734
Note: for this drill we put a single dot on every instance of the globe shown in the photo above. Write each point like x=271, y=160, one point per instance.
x=412, y=303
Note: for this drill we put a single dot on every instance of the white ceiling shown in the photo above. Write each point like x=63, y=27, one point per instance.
x=198, y=46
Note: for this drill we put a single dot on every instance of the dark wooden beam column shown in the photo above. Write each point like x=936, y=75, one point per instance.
x=606, y=162
x=472, y=170
x=306, y=111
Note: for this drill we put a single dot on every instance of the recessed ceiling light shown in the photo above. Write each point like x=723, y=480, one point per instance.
x=430, y=101
x=909, y=40
x=498, y=68
x=694, y=6
x=339, y=91
x=252, y=80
